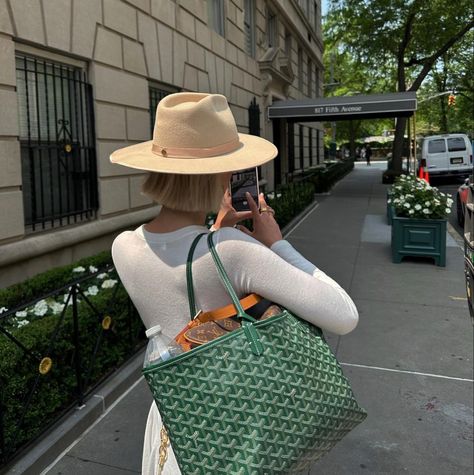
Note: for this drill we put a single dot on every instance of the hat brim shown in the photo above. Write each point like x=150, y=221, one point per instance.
x=252, y=152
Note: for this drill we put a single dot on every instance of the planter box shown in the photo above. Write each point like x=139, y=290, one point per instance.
x=419, y=237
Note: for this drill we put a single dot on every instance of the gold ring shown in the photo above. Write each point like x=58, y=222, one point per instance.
x=263, y=210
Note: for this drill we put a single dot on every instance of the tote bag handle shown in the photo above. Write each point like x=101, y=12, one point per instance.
x=247, y=320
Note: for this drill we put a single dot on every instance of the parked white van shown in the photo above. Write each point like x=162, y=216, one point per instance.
x=447, y=155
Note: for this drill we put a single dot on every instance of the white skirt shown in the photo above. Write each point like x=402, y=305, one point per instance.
x=151, y=447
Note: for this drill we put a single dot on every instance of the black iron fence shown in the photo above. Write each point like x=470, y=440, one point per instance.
x=56, y=121
x=54, y=350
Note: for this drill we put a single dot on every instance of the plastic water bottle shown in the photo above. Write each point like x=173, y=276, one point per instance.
x=160, y=347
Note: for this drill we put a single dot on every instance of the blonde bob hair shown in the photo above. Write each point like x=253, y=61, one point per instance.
x=185, y=192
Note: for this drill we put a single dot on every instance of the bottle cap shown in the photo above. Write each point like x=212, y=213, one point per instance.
x=153, y=331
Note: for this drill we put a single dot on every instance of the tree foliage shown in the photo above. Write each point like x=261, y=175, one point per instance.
x=399, y=42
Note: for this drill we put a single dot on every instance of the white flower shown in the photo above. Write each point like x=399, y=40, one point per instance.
x=93, y=269
x=278, y=195
x=79, y=269
x=108, y=284
x=427, y=203
x=418, y=207
x=447, y=210
x=92, y=290
x=22, y=323
x=21, y=314
x=3, y=309
x=411, y=211
x=389, y=201
x=56, y=307
x=407, y=205
x=271, y=195
x=40, y=308
x=449, y=201
x=103, y=275
x=66, y=297
x=426, y=211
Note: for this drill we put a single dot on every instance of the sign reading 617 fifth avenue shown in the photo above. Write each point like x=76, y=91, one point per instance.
x=396, y=104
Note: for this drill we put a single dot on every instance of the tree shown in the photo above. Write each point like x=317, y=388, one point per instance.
x=345, y=75
x=401, y=41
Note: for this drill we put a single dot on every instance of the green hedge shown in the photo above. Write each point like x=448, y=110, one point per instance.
x=49, y=281
x=48, y=336
x=289, y=200
x=324, y=178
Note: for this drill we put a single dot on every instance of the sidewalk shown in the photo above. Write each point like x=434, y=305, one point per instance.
x=409, y=360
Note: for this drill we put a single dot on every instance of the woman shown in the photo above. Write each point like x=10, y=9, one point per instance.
x=195, y=149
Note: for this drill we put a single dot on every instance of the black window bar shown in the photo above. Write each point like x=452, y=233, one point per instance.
x=57, y=140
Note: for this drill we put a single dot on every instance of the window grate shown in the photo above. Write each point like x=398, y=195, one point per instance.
x=156, y=94
x=57, y=140
x=249, y=27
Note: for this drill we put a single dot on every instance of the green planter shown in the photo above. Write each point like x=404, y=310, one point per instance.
x=419, y=237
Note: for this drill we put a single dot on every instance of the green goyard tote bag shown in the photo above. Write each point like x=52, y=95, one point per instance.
x=268, y=398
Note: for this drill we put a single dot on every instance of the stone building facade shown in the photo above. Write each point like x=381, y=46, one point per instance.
x=81, y=78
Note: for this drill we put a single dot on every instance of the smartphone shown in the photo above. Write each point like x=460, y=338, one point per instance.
x=241, y=183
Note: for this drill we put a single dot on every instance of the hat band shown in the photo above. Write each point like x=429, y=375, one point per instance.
x=201, y=152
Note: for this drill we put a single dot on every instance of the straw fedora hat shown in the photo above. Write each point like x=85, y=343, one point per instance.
x=195, y=133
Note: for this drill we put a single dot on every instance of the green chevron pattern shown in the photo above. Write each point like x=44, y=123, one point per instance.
x=228, y=411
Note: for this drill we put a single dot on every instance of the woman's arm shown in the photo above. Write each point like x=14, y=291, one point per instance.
x=290, y=280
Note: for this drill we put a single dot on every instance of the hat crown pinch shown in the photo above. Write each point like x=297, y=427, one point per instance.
x=194, y=121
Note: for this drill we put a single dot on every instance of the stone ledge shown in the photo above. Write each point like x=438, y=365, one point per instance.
x=35, y=246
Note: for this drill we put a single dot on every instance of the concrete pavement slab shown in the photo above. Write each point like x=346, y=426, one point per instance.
x=425, y=283
x=411, y=337
x=115, y=442
x=415, y=425
x=75, y=466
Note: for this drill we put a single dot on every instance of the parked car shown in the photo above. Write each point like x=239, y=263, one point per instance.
x=461, y=200
x=447, y=155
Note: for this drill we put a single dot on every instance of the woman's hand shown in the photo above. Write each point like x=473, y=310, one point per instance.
x=227, y=215
x=265, y=228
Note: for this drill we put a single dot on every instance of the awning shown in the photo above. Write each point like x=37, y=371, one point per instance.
x=397, y=104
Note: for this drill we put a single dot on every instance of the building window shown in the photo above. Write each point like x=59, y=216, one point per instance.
x=157, y=93
x=216, y=16
x=300, y=68
x=288, y=44
x=310, y=78
x=316, y=17
x=249, y=27
x=57, y=142
x=310, y=146
x=272, y=28
x=316, y=80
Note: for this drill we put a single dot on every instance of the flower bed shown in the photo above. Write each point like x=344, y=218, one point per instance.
x=412, y=197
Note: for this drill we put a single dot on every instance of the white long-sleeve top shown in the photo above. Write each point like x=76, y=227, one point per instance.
x=152, y=268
